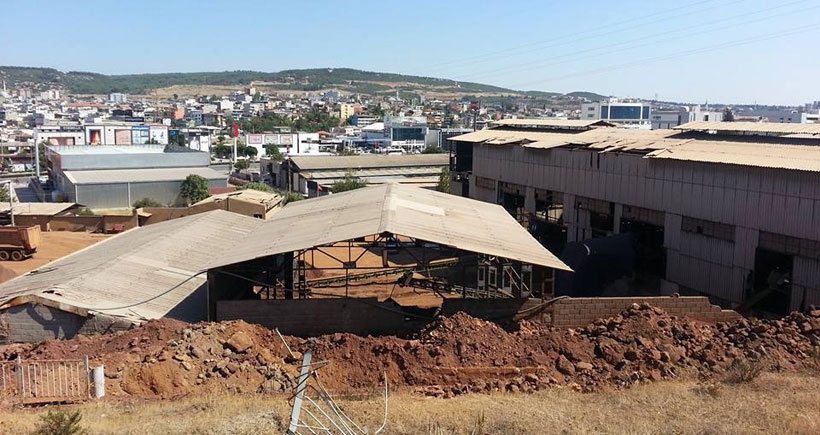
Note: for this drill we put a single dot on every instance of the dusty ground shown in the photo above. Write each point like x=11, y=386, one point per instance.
x=54, y=245
x=772, y=403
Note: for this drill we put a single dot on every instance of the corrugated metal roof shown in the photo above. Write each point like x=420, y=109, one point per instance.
x=268, y=199
x=140, y=274
x=37, y=208
x=308, y=163
x=428, y=215
x=773, y=128
x=379, y=172
x=553, y=123
x=604, y=138
x=795, y=157
x=505, y=137
x=141, y=175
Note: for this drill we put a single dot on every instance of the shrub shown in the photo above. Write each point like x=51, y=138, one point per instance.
x=146, y=202
x=60, y=423
x=743, y=371
x=709, y=388
x=256, y=186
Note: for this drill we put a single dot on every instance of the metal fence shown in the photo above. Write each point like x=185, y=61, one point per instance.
x=45, y=380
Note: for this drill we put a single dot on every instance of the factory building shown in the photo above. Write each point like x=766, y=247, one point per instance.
x=110, y=177
x=728, y=210
x=315, y=175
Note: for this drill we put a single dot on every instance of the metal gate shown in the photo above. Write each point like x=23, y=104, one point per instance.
x=45, y=381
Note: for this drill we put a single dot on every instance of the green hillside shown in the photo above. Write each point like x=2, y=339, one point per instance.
x=348, y=79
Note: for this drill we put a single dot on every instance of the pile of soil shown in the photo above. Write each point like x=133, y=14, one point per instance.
x=456, y=355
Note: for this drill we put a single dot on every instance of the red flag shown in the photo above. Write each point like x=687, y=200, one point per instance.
x=235, y=130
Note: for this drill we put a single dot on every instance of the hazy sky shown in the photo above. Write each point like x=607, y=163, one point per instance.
x=738, y=51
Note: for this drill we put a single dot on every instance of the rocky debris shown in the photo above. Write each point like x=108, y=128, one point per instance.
x=455, y=355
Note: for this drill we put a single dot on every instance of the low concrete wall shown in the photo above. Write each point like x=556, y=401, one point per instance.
x=31, y=323
x=92, y=223
x=577, y=312
x=312, y=317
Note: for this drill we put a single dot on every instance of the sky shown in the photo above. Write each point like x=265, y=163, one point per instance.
x=721, y=51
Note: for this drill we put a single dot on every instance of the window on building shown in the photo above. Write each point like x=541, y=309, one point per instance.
x=706, y=228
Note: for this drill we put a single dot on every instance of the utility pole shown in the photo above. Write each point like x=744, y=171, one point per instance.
x=37, y=160
x=11, y=199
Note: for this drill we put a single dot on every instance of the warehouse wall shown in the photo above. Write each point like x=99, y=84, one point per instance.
x=749, y=199
x=124, y=195
x=31, y=323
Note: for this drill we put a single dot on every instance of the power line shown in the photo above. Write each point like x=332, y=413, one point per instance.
x=571, y=39
x=572, y=57
x=737, y=43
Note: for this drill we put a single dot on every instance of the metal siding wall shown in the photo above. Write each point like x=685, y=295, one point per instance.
x=100, y=196
x=166, y=193
x=805, y=277
x=752, y=199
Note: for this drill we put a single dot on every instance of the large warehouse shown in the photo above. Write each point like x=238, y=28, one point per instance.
x=728, y=210
x=110, y=177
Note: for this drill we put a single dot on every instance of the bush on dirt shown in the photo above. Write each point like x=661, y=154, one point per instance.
x=744, y=371
x=60, y=423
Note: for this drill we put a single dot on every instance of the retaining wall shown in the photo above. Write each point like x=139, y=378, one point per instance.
x=577, y=312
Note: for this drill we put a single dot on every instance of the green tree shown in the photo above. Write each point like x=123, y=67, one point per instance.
x=728, y=115
x=348, y=152
x=146, y=202
x=194, y=189
x=273, y=152
x=4, y=194
x=433, y=150
x=349, y=182
x=242, y=165
x=288, y=197
x=444, y=180
x=247, y=151
x=222, y=151
x=60, y=423
x=262, y=187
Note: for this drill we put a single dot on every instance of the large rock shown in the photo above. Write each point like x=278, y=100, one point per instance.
x=564, y=366
x=239, y=342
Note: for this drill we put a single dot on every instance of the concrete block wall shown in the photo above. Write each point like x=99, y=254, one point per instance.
x=578, y=312
x=32, y=323
x=312, y=317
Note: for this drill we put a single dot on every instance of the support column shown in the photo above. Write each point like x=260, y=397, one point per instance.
x=529, y=199
x=616, y=218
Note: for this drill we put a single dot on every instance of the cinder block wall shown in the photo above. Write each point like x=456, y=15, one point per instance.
x=577, y=312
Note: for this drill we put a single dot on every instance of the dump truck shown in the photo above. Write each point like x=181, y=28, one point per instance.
x=18, y=243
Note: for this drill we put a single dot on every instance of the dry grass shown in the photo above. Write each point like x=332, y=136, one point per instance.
x=772, y=403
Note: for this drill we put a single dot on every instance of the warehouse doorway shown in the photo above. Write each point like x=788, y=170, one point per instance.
x=650, y=254
x=772, y=288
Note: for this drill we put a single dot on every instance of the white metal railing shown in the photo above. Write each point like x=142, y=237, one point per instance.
x=33, y=381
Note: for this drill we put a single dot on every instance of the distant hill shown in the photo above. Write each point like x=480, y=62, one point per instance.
x=346, y=79
x=588, y=95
